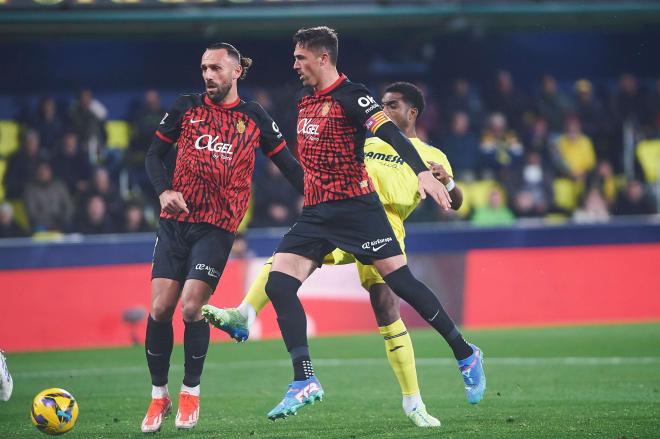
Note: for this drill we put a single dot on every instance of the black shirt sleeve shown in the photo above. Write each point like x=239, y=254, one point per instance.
x=273, y=145
x=363, y=109
x=271, y=140
x=166, y=135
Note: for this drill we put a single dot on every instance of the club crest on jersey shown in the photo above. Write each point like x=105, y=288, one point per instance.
x=218, y=149
x=325, y=109
x=240, y=127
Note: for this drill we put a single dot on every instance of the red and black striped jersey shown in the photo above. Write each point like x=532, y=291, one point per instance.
x=215, y=156
x=331, y=129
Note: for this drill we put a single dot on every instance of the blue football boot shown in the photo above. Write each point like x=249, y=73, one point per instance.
x=472, y=369
x=300, y=393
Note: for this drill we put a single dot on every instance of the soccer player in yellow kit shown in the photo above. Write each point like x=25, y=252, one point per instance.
x=397, y=188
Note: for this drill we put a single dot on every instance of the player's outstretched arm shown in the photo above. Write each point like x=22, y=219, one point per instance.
x=440, y=173
x=428, y=184
x=290, y=168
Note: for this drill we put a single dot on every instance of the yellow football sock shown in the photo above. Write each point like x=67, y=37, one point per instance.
x=400, y=354
x=256, y=296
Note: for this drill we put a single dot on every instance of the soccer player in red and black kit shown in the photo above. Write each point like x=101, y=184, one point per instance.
x=216, y=134
x=342, y=210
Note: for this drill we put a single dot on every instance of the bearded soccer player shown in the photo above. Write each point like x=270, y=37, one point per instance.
x=216, y=134
x=396, y=185
x=342, y=210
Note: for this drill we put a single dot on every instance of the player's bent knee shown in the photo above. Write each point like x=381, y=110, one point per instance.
x=162, y=312
x=191, y=312
x=389, y=265
x=281, y=285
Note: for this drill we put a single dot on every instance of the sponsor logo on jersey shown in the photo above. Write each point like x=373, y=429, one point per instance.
x=240, y=127
x=376, y=244
x=309, y=129
x=391, y=159
x=369, y=103
x=218, y=149
x=212, y=272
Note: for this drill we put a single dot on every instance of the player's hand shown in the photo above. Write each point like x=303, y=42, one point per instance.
x=429, y=185
x=439, y=172
x=173, y=202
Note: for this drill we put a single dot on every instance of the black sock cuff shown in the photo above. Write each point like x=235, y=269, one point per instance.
x=281, y=282
x=165, y=324
x=299, y=352
x=199, y=324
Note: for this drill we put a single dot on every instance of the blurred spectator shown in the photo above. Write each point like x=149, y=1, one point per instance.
x=633, y=201
x=552, y=105
x=8, y=227
x=539, y=139
x=134, y=221
x=495, y=213
x=508, y=100
x=500, y=148
x=144, y=123
x=461, y=146
x=532, y=186
x=276, y=202
x=464, y=100
x=430, y=124
x=628, y=103
x=86, y=116
x=47, y=201
x=103, y=187
x=575, y=155
x=596, y=122
x=593, y=209
x=603, y=180
x=71, y=165
x=21, y=166
x=94, y=219
x=48, y=124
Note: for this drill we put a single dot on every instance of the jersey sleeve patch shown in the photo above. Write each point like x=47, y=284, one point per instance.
x=376, y=121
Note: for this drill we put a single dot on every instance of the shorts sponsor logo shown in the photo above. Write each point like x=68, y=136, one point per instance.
x=369, y=103
x=212, y=272
x=219, y=149
x=377, y=244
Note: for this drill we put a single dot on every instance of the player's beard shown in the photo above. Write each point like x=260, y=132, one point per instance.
x=220, y=91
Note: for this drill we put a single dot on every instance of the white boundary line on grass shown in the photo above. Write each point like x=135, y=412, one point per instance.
x=337, y=362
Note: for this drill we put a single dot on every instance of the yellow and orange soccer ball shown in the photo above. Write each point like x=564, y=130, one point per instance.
x=54, y=411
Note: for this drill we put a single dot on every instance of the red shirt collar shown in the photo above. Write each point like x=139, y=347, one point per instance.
x=332, y=86
x=208, y=101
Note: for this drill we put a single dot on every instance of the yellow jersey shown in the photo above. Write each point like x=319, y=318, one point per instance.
x=396, y=183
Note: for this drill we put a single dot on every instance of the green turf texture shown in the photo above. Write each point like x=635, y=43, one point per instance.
x=551, y=392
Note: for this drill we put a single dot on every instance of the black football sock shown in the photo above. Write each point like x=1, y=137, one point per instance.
x=302, y=364
x=282, y=290
x=158, y=349
x=195, y=345
x=420, y=297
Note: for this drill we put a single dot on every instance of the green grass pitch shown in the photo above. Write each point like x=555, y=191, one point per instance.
x=591, y=381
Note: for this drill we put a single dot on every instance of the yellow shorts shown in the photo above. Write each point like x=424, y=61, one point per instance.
x=368, y=274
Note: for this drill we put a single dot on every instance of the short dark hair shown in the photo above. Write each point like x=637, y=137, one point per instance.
x=320, y=37
x=245, y=62
x=410, y=93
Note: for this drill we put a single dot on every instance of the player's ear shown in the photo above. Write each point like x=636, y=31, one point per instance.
x=238, y=71
x=324, y=59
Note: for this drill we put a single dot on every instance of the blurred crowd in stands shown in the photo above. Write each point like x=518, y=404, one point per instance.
x=577, y=152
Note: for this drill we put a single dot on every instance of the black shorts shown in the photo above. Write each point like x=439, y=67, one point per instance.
x=190, y=251
x=356, y=225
